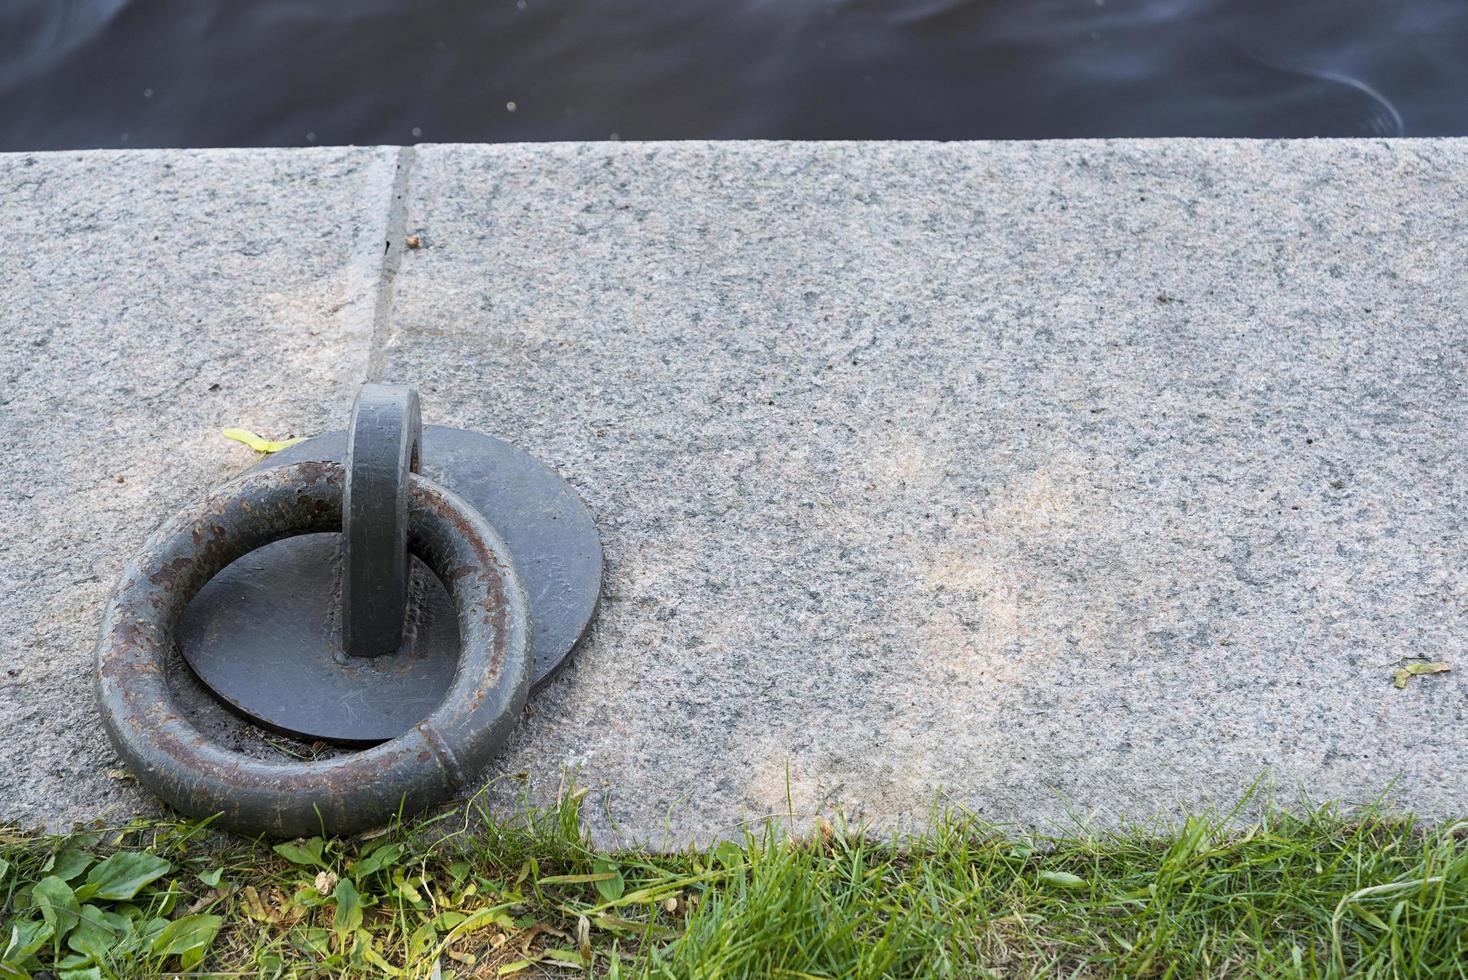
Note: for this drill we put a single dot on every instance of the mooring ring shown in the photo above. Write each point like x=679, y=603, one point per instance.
x=342, y=795
x=384, y=441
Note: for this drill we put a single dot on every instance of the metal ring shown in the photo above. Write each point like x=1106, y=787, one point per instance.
x=341, y=795
x=383, y=443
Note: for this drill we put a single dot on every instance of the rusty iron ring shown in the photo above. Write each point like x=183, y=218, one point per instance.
x=342, y=795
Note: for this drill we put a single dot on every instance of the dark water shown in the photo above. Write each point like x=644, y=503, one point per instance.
x=86, y=73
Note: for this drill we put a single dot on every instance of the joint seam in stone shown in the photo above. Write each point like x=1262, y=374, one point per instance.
x=392, y=257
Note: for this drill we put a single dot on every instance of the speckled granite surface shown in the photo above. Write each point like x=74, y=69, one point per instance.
x=1087, y=478
x=151, y=299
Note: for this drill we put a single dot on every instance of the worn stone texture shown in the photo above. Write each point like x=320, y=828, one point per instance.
x=151, y=299
x=1070, y=479
x=1050, y=477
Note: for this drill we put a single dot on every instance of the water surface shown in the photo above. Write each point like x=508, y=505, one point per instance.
x=89, y=73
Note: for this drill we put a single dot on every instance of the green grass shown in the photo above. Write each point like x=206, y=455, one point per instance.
x=1315, y=894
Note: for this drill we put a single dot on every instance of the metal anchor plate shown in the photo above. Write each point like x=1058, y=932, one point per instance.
x=266, y=633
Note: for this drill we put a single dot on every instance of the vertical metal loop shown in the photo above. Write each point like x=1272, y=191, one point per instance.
x=383, y=443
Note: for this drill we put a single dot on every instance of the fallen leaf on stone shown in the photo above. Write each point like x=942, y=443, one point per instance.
x=258, y=443
x=119, y=774
x=1405, y=674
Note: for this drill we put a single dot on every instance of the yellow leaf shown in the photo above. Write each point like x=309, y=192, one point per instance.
x=254, y=907
x=260, y=445
x=1410, y=671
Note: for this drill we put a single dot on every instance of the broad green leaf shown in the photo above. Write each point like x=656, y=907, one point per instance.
x=132, y=910
x=421, y=942
x=150, y=930
x=70, y=863
x=58, y=906
x=80, y=973
x=383, y=857
x=187, y=938
x=318, y=940
x=348, y=916
x=162, y=903
x=211, y=878
x=610, y=889
x=123, y=875
x=306, y=852
x=98, y=932
x=405, y=888
x=729, y=854
x=448, y=920
x=1062, y=879
x=26, y=936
